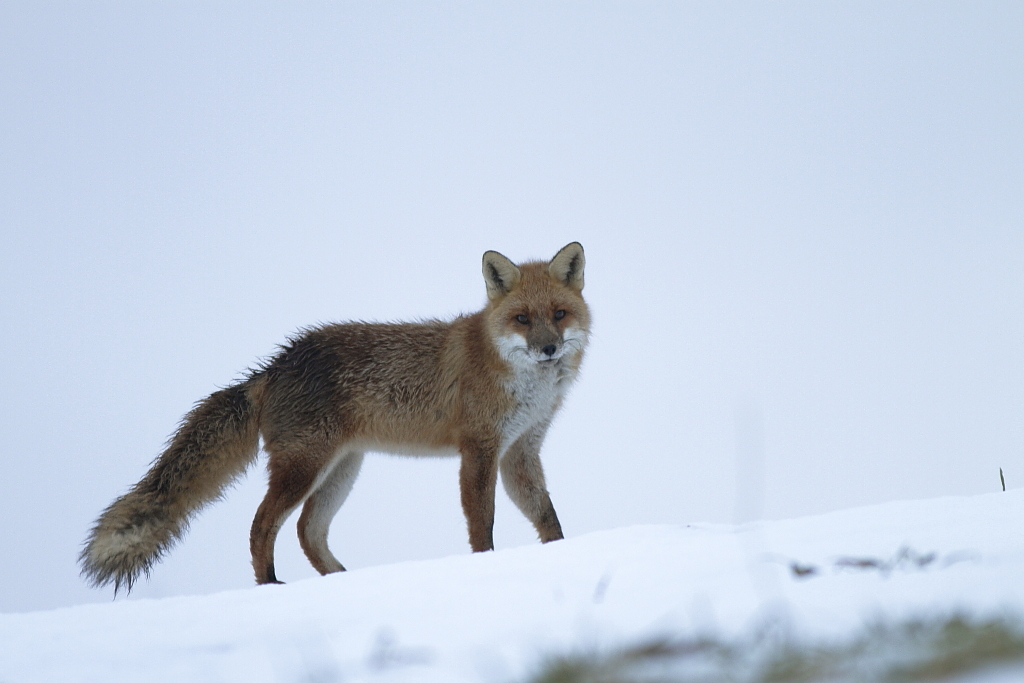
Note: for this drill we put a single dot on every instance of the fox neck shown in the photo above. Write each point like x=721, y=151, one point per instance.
x=535, y=388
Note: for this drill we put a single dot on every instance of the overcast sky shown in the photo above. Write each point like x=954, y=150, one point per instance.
x=804, y=228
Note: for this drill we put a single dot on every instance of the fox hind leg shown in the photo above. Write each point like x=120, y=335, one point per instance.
x=294, y=474
x=320, y=508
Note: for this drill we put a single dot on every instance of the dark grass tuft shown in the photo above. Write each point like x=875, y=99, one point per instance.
x=919, y=650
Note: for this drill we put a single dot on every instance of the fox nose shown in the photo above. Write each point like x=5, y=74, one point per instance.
x=549, y=350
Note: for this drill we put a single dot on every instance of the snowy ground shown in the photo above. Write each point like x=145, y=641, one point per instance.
x=496, y=616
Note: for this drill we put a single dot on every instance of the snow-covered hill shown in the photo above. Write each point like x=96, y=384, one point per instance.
x=496, y=616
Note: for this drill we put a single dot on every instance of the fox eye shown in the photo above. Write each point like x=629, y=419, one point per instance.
x=559, y=314
x=522, y=319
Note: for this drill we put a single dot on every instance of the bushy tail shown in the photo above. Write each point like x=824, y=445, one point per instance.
x=215, y=443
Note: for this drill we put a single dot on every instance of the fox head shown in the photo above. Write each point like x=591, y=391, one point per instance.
x=536, y=312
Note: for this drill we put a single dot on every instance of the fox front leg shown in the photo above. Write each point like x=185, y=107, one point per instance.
x=523, y=478
x=478, y=476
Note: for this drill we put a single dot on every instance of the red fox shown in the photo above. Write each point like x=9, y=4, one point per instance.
x=484, y=387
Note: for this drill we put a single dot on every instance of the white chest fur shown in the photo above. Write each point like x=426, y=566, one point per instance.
x=537, y=391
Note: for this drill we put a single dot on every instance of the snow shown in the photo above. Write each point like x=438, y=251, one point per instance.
x=494, y=616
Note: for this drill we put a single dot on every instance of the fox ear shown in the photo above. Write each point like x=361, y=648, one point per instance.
x=567, y=266
x=500, y=275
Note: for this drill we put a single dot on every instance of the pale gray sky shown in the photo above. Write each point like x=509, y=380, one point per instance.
x=804, y=226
